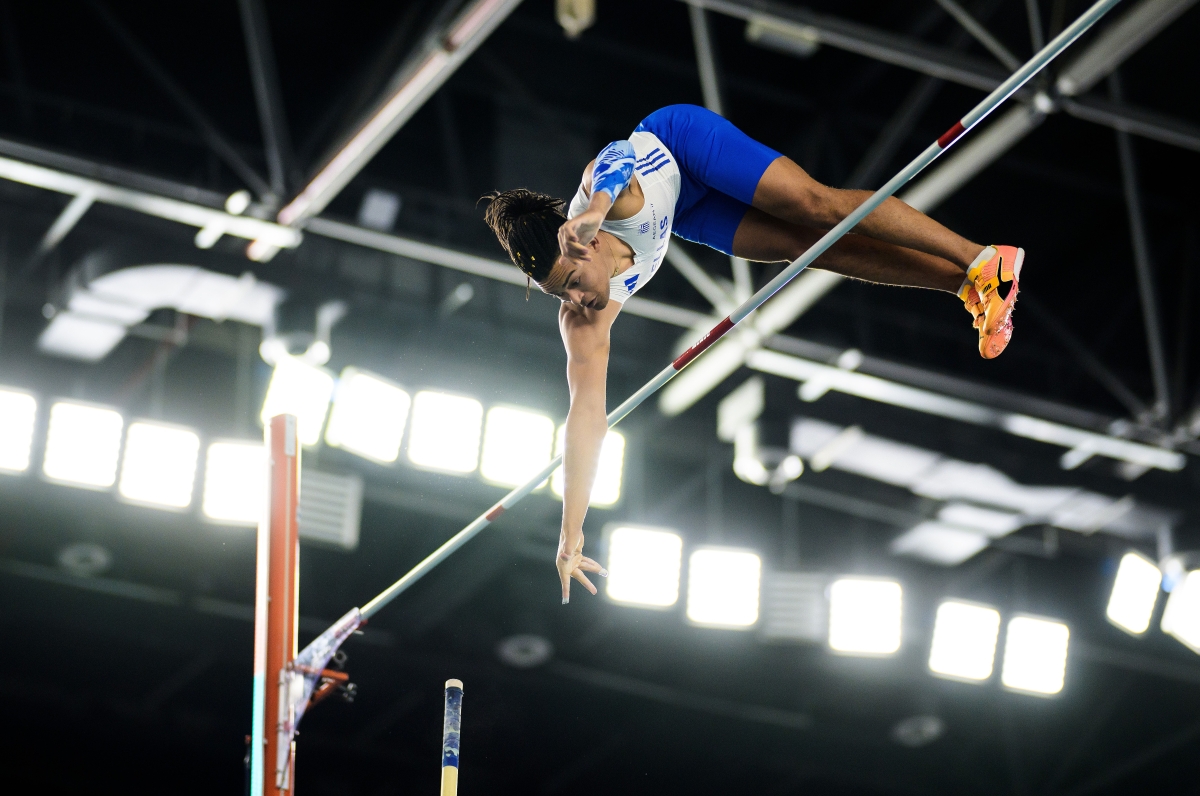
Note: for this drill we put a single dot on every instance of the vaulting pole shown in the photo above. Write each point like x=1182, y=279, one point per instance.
x=944, y=142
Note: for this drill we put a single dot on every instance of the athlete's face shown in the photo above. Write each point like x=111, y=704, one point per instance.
x=583, y=283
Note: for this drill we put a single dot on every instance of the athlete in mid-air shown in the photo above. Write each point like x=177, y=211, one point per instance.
x=688, y=171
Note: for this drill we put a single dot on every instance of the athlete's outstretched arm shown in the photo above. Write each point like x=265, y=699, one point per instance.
x=585, y=335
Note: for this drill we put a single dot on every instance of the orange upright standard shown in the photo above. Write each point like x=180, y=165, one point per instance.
x=276, y=614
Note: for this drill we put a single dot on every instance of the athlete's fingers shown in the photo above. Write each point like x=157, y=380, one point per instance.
x=590, y=565
x=582, y=578
x=566, y=584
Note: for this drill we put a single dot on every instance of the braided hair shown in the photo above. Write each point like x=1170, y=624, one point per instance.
x=526, y=223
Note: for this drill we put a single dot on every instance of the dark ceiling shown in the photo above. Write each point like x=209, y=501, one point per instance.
x=138, y=680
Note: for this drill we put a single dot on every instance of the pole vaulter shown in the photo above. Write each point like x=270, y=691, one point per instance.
x=305, y=671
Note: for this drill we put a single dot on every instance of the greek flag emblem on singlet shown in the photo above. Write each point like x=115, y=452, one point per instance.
x=631, y=282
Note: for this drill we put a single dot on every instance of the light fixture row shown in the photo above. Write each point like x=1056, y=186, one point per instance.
x=150, y=463
x=155, y=464
x=865, y=615
x=369, y=414
x=1134, y=596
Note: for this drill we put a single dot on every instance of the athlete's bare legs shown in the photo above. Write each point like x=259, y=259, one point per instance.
x=765, y=238
x=787, y=192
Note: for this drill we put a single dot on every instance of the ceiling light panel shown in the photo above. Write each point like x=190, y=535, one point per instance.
x=368, y=416
x=299, y=389
x=517, y=443
x=1181, y=617
x=159, y=468
x=1134, y=593
x=865, y=616
x=235, y=482
x=643, y=566
x=445, y=432
x=18, y=412
x=723, y=587
x=83, y=444
x=964, y=641
x=1035, y=655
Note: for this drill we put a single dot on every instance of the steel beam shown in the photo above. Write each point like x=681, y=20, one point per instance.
x=480, y=266
x=115, y=175
x=208, y=130
x=1131, y=119
x=1037, y=37
x=972, y=157
x=66, y=221
x=1117, y=42
x=1090, y=362
x=981, y=34
x=880, y=45
x=1147, y=291
x=445, y=49
x=706, y=60
x=894, y=133
x=1078, y=441
x=252, y=229
x=700, y=279
x=277, y=142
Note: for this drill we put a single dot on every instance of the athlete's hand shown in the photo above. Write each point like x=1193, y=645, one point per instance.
x=572, y=563
x=575, y=235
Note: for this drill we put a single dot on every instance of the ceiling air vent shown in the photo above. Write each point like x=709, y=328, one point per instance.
x=794, y=607
x=330, y=508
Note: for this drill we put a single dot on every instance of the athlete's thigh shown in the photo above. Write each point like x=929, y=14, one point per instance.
x=785, y=188
x=764, y=238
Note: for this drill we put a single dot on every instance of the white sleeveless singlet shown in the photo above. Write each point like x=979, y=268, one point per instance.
x=649, y=231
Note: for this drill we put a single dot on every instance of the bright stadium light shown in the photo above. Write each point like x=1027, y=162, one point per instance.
x=235, y=482
x=18, y=410
x=1181, y=617
x=606, y=489
x=964, y=641
x=368, y=416
x=445, y=432
x=83, y=444
x=865, y=616
x=299, y=389
x=723, y=587
x=160, y=465
x=1134, y=593
x=1035, y=655
x=643, y=566
x=517, y=443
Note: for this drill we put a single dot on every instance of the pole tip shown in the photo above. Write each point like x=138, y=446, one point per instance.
x=453, y=683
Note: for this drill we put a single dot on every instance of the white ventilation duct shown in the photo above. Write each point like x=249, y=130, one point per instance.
x=981, y=502
x=98, y=315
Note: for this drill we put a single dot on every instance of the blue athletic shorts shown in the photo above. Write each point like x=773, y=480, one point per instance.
x=720, y=166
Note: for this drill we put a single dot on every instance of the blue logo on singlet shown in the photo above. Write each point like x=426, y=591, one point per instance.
x=631, y=282
x=644, y=228
x=663, y=226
